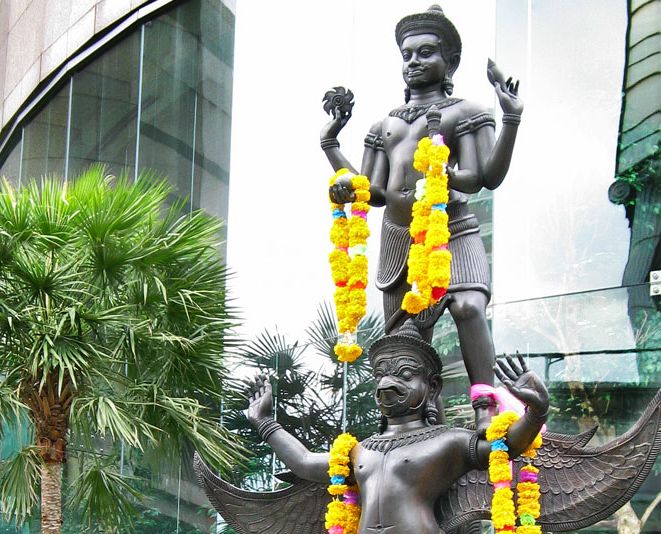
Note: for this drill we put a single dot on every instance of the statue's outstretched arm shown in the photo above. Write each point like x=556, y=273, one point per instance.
x=497, y=160
x=303, y=463
x=529, y=389
x=338, y=103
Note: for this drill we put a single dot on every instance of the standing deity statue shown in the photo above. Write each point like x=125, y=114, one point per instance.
x=431, y=49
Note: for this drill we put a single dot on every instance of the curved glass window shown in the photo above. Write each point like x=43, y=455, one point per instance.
x=158, y=99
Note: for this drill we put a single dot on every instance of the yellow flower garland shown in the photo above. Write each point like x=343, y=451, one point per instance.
x=348, y=263
x=500, y=474
x=429, y=257
x=342, y=516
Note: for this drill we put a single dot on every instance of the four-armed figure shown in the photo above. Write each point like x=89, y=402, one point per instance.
x=431, y=50
x=402, y=471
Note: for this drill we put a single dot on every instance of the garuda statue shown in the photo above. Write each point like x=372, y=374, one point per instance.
x=415, y=475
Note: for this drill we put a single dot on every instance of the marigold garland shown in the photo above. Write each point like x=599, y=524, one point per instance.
x=429, y=258
x=500, y=474
x=342, y=516
x=348, y=263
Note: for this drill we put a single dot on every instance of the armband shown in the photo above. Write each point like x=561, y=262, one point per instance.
x=472, y=452
x=511, y=118
x=483, y=401
x=474, y=123
x=374, y=141
x=329, y=143
x=267, y=427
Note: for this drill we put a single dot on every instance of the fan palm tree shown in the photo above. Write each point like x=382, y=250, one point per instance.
x=308, y=402
x=112, y=323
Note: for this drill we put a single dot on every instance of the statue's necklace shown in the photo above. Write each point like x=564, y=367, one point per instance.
x=411, y=112
x=386, y=444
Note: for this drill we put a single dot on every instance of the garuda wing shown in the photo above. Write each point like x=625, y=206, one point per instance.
x=298, y=509
x=579, y=485
x=582, y=485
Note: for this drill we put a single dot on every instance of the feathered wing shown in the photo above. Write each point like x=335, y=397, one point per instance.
x=467, y=500
x=298, y=509
x=579, y=485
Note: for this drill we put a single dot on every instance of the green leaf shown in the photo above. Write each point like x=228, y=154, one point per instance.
x=105, y=498
x=19, y=483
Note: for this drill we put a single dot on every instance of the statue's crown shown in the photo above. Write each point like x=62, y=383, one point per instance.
x=431, y=21
x=407, y=337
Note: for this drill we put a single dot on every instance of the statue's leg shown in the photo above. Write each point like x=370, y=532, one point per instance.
x=468, y=309
x=393, y=314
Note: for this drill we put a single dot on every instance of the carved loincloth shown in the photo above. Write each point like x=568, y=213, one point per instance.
x=469, y=269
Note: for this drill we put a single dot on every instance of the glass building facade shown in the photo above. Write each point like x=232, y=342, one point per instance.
x=574, y=264
x=157, y=98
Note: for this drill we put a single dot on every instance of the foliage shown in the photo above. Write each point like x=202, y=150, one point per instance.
x=309, y=402
x=112, y=323
x=646, y=172
x=19, y=478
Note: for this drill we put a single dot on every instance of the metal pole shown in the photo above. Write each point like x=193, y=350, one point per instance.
x=179, y=495
x=139, y=115
x=345, y=370
x=275, y=413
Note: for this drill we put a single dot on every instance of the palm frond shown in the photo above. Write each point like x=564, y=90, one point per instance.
x=19, y=485
x=11, y=408
x=121, y=419
x=105, y=498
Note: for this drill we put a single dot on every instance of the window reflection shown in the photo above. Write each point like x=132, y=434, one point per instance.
x=11, y=168
x=44, y=140
x=104, y=110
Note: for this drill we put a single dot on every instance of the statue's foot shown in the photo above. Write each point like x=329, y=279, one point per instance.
x=485, y=408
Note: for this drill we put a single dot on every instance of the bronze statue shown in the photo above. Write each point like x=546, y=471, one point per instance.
x=431, y=49
x=418, y=476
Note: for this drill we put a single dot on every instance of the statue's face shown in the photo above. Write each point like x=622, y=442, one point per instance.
x=402, y=387
x=423, y=65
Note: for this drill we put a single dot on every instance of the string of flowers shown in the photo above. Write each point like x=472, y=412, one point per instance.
x=348, y=262
x=429, y=258
x=500, y=474
x=342, y=516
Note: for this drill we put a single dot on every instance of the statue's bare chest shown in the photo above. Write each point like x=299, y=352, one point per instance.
x=398, y=134
x=406, y=460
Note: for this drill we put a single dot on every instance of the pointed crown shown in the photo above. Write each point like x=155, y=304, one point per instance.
x=407, y=337
x=431, y=21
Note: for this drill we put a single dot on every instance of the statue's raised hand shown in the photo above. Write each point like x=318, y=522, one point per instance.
x=506, y=90
x=523, y=384
x=260, y=399
x=332, y=128
x=338, y=103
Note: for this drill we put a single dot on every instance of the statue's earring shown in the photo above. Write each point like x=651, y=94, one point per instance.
x=407, y=95
x=383, y=424
x=431, y=412
x=447, y=85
